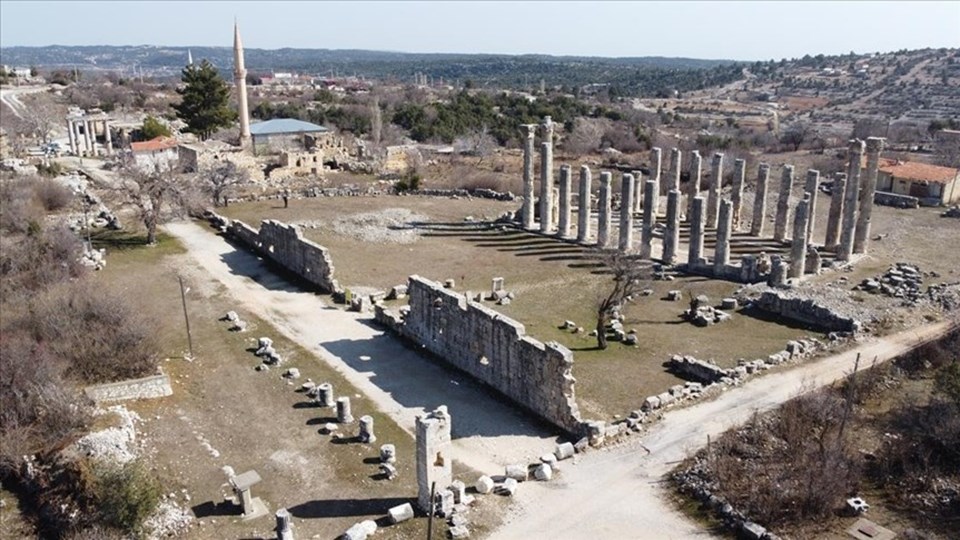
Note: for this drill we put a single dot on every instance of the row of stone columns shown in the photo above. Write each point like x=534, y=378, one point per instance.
x=88, y=145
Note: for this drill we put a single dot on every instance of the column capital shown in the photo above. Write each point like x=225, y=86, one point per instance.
x=875, y=144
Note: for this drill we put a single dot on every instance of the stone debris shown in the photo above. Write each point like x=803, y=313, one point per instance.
x=901, y=281
x=857, y=505
x=729, y=303
x=509, y=486
x=388, y=226
x=94, y=258
x=459, y=532
x=549, y=459
x=401, y=513
x=114, y=444
x=953, y=211
x=168, y=520
x=329, y=427
x=705, y=316
x=388, y=470
x=292, y=373
x=459, y=490
x=484, y=485
x=443, y=504
x=674, y=296
x=516, y=472
x=397, y=292
x=388, y=453
x=232, y=316
x=366, y=434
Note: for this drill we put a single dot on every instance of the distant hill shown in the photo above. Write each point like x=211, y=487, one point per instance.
x=631, y=76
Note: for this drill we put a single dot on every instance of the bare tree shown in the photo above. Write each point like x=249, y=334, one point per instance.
x=41, y=115
x=220, y=180
x=796, y=134
x=586, y=136
x=477, y=142
x=156, y=190
x=630, y=276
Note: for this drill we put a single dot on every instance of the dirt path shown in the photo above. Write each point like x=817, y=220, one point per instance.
x=619, y=493
x=487, y=433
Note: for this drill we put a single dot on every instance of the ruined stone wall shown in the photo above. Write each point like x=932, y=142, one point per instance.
x=495, y=350
x=284, y=245
x=886, y=198
x=805, y=310
x=145, y=388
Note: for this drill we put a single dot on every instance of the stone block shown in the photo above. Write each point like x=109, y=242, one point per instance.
x=728, y=303
x=360, y=531
x=401, y=513
x=666, y=398
x=549, y=459
x=510, y=486
x=516, y=472
x=753, y=531
x=484, y=485
x=564, y=451
x=459, y=490
x=459, y=532
x=651, y=403
x=543, y=472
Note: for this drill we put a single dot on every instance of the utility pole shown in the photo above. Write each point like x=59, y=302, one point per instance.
x=183, y=298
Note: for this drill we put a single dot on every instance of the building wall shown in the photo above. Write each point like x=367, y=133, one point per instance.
x=494, y=349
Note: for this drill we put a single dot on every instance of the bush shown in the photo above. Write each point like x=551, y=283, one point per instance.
x=18, y=206
x=410, y=182
x=38, y=260
x=51, y=194
x=125, y=495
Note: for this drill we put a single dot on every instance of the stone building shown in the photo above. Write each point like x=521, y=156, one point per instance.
x=932, y=185
x=287, y=133
x=159, y=151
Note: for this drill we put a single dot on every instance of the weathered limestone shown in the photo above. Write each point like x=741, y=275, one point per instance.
x=713, y=196
x=760, y=201
x=343, y=410
x=401, y=513
x=783, y=205
x=835, y=217
x=626, y=213
x=693, y=188
x=869, y=188
x=721, y=256
x=72, y=137
x=778, y=272
x=366, y=434
x=388, y=453
x=603, y=211
x=850, y=198
x=564, y=451
x=528, y=213
x=695, y=255
x=656, y=156
x=810, y=187
x=671, y=237
x=433, y=455
x=563, y=225
x=736, y=197
x=673, y=180
x=546, y=185
x=798, y=248
x=649, y=217
x=583, y=210
x=284, y=532
x=325, y=396
x=484, y=485
x=251, y=506
x=638, y=191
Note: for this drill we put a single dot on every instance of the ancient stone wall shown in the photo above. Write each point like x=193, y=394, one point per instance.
x=284, y=245
x=886, y=198
x=805, y=310
x=145, y=388
x=494, y=349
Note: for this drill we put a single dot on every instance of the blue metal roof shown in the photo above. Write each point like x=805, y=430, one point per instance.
x=280, y=126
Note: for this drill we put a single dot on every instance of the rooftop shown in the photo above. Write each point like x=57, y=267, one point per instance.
x=914, y=170
x=280, y=126
x=154, y=145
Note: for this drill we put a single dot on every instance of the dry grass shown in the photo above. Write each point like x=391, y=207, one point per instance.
x=553, y=281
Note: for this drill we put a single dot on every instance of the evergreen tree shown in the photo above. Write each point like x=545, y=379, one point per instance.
x=205, y=100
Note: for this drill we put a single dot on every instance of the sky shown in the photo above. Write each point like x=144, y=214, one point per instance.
x=754, y=30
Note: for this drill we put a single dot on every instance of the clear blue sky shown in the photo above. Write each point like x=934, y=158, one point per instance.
x=729, y=30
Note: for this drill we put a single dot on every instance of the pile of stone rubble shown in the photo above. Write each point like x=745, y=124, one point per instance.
x=901, y=281
x=953, y=211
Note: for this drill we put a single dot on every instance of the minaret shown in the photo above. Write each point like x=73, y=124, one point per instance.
x=189, y=58
x=240, y=80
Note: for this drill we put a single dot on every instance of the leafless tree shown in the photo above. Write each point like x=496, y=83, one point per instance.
x=630, y=276
x=41, y=115
x=586, y=136
x=477, y=142
x=156, y=190
x=220, y=179
x=796, y=134
x=870, y=127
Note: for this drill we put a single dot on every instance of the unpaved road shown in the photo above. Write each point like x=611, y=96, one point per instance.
x=619, y=493
x=488, y=434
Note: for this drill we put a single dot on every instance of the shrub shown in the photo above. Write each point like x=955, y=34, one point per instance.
x=125, y=495
x=52, y=194
x=410, y=182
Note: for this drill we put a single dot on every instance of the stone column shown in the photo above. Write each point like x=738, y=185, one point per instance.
x=325, y=395
x=528, y=212
x=546, y=185
x=603, y=211
x=583, y=211
x=434, y=461
x=343, y=410
x=109, y=137
x=862, y=237
x=760, y=201
x=693, y=189
x=672, y=235
x=736, y=198
x=798, y=248
x=563, y=223
x=656, y=156
x=626, y=213
x=673, y=180
x=638, y=191
x=721, y=257
x=850, y=197
x=695, y=257
x=649, y=217
x=283, y=525
x=810, y=188
x=783, y=205
x=72, y=136
x=88, y=137
x=713, y=197
x=366, y=434
x=836, y=211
